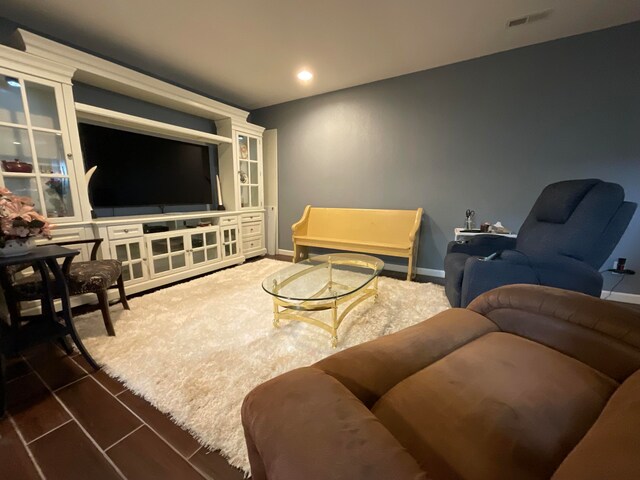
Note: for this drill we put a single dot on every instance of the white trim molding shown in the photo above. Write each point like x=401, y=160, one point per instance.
x=36, y=66
x=102, y=116
x=621, y=297
x=110, y=76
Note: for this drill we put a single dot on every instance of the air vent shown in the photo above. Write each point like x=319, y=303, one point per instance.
x=532, y=17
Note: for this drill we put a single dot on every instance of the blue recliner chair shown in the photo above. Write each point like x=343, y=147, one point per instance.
x=569, y=233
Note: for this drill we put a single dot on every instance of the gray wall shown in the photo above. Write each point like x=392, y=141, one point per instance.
x=486, y=134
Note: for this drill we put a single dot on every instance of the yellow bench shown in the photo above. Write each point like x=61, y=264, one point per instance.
x=383, y=232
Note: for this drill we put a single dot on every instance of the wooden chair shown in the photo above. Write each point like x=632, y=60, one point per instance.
x=93, y=276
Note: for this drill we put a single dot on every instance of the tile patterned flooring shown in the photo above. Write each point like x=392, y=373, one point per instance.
x=66, y=422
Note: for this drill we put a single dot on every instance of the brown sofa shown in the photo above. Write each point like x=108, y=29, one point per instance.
x=528, y=382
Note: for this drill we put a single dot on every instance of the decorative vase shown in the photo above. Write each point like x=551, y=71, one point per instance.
x=13, y=248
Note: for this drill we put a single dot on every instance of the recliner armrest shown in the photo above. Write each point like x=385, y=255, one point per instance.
x=305, y=424
x=515, y=267
x=482, y=245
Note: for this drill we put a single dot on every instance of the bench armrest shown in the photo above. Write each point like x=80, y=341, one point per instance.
x=416, y=226
x=296, y=228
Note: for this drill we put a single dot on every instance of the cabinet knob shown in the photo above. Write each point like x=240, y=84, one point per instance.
x=69, y=156
x=126, y=230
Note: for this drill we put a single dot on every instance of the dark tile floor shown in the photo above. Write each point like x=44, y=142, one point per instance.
x=66, y=422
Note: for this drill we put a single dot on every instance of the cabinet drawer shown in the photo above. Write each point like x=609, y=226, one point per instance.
x=124, y=231
x=252, y=244
x=228, y=220
x=251, y=229
x=251, y=217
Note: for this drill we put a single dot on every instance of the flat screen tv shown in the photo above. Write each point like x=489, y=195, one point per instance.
x=142, y=170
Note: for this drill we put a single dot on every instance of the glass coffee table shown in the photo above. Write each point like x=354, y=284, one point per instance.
x=324, y=282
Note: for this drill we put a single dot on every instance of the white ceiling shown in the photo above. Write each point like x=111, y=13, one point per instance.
x=247, y=52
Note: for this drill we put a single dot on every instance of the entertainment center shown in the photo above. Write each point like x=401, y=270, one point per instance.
x=39, y=127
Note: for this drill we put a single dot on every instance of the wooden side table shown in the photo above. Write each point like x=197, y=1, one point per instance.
x=49, y=325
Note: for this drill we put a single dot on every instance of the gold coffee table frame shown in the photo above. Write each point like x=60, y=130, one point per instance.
x=287, y=309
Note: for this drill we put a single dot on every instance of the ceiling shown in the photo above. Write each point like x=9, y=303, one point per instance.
x=247, y=52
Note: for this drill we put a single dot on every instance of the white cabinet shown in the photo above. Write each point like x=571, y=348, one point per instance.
x=174, y=251
x=230, y=240
x=132, y=254
x=249, y=160
x=204, y=245
x=252, y=234
x=35, y=146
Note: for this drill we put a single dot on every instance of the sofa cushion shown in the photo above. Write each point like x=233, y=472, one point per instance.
x=499, y=407
x=610, y=448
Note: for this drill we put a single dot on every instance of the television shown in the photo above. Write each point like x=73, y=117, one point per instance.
x=136, y=170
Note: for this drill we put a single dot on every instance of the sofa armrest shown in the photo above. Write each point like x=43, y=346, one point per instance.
x=306, y=425
x=597, y=332
x=371, y=369
x=482, y=245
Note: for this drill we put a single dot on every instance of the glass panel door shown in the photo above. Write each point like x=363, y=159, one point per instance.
x=249, y=171
x=129, y=252
x=33, y=145
x=168, y=253
x=11, y=105
x=204, y=246
x=229, y=241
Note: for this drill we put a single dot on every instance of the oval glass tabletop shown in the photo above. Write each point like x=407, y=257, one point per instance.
x=323, y=277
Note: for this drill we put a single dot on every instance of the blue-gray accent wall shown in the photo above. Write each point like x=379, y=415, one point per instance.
x=486, y=134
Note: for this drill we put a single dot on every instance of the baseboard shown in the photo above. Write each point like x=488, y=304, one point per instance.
x=430, y=272
x=621, y=297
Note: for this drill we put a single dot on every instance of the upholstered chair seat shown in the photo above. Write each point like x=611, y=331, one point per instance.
x=83, y=277
x=93, y=276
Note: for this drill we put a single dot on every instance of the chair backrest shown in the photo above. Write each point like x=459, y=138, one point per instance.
x=581, y=219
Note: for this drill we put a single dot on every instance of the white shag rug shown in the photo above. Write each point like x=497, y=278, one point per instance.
x=196, y=349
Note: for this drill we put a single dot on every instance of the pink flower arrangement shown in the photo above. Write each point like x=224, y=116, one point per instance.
x=19, y=219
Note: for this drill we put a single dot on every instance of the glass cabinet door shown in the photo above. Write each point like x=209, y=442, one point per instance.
x=205, y=246
x=33, y=144
x=167, y=253
x=229, y=241
x=131, y=254
x=249, y=159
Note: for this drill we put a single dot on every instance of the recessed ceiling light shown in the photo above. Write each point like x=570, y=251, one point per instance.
x=305, y=75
